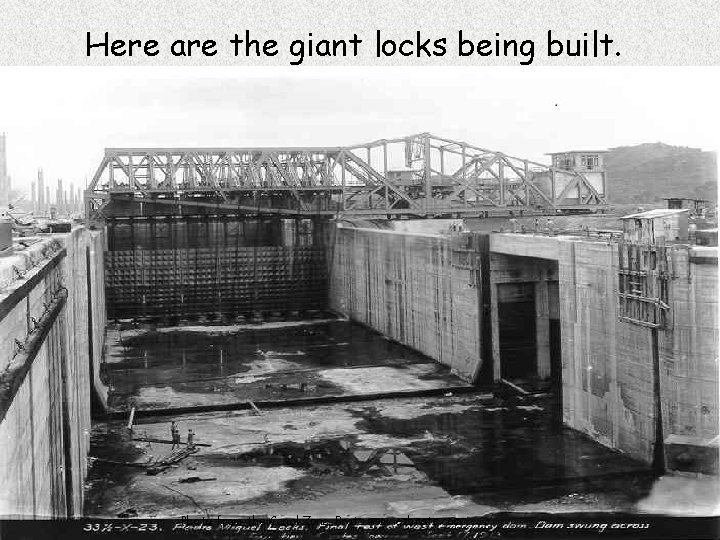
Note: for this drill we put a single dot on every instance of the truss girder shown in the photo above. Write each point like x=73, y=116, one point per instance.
x=441, y=176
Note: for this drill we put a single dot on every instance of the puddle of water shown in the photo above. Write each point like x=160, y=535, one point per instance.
x=157, y=357
x=515, y=452
x=108, y=447
x=159, y=368
x=387, y=378
x=502, y=453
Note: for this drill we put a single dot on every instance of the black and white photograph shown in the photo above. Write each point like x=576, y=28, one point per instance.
x=435, y=294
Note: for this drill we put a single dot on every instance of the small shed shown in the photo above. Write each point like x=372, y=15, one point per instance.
x=656, y=226
x=697, y=207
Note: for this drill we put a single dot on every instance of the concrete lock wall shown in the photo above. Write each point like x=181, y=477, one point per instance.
x=414, y=289
x=411, y=288
x=689, y=353
x=607, y=363
x=607, y=366
x=45, y=372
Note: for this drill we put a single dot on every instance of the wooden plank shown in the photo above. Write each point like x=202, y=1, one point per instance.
x=162, y=441
x=257, y=411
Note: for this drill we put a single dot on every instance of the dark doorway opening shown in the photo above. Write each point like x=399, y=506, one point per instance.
x=555, y=348
x=556, y=367
x=516, y=329
x=555, y=356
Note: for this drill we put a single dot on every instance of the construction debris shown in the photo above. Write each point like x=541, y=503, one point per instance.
x=193, y=479
x=178, y=455
x=130, y=512
x=115, y=462
x=515, y=387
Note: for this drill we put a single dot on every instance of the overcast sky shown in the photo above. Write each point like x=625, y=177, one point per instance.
x=61, y=119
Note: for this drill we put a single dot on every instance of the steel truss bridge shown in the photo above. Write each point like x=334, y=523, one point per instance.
x=419, y=176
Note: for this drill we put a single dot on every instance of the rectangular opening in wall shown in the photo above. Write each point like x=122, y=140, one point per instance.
x=555, y=338
x=516, y=318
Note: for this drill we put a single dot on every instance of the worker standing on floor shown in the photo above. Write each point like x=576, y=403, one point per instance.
x=175, y=433
x=191, y=439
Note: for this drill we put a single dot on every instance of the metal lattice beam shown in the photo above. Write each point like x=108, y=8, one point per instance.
x=420, y=175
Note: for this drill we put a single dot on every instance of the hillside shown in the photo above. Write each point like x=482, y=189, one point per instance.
x=649, y=172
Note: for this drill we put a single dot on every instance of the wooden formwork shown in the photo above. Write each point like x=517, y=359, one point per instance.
x=214, y=269
x=143, y=283
x=644, y=272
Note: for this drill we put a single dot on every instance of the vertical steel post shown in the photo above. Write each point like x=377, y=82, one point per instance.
x=428, y=185
x=385, y=171
x=501, y=175
x=341, y=156
x=527, y=183
x=464, y=171
x=659, y=445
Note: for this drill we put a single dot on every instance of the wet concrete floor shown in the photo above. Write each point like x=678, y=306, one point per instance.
x=447, y=456
x=157, y=368
x=451, y=455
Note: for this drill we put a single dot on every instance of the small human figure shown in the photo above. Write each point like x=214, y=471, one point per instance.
x=514, y=223
x=537, y=225
x=175, y=432
x=191, y=439
x=550, y=226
